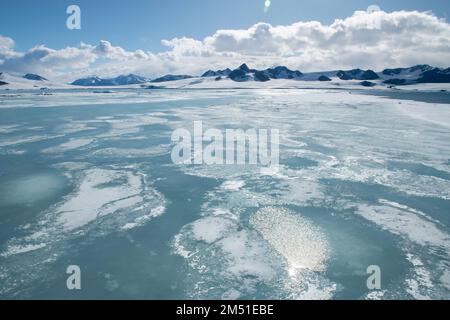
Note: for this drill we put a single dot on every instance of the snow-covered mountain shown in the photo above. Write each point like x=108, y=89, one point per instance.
x=219, y=73
x=282, y=73
x=414, y=75
x=36, y=77
x=357, y=74
x=117, y=81
x=412, y=71
x=90, y=81
x=435, y=75
x=171, y=77
x=27, y=81
x=244, y=73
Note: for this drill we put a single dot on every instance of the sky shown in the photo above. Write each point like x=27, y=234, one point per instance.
x=154, y=37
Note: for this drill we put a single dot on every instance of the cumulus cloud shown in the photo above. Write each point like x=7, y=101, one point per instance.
x=107, y=50
x=42, y=59
x=6, y=48
x=188, y=47
x=367, y=39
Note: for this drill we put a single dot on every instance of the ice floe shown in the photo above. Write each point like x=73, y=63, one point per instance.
x=284, y=255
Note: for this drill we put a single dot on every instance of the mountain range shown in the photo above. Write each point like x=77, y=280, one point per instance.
x=369, y=78
x=398, y=76
x=117, y=81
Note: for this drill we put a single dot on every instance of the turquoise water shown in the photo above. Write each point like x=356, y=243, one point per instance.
x=87, y=179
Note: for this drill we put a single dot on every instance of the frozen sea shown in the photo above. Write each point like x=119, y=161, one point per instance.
x=87, y=179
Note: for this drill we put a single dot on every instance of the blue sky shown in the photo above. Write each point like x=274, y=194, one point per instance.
x=153, y=38
x=142, y=24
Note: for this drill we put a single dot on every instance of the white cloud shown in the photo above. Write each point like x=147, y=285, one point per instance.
x=44, y=59
x=107, y=50
x=188, y=47
x=373, y=39
x=367, y=39
x=6, y=48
